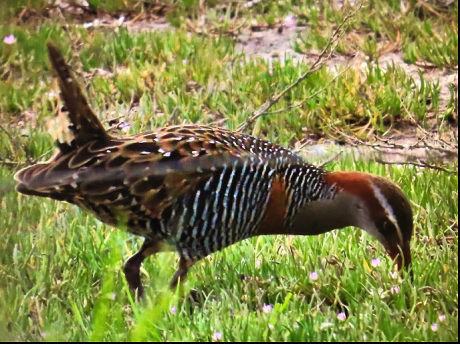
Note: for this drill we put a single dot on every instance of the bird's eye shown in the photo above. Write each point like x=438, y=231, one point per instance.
x=388, y=227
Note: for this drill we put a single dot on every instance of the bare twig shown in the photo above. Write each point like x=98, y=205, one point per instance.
x=447, y=149
x=422, y=164
x=428, y=7
x=8, y=162
x=444, y=147
x=441, y=146
x=320, y=61
x=323, y=165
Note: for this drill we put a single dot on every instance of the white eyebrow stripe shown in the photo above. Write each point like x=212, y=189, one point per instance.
x=388, y=209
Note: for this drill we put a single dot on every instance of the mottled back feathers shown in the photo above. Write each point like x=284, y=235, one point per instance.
x=198, y=187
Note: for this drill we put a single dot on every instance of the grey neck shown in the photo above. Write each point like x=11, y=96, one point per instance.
x=322, y=216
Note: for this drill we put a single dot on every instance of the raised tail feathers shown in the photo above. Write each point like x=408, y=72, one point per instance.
x=84, y=124
x=81, y=126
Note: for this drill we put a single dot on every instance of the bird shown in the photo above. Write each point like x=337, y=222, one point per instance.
x=198, y=189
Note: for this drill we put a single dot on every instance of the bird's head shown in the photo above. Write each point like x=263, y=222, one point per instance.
x=380, y=208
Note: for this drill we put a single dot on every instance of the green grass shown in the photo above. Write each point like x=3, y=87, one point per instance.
x=61, y=278
x=165, y=74
x=387, y=26
x=61, y=270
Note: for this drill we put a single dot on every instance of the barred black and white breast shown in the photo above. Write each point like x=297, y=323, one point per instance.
x=189, y=185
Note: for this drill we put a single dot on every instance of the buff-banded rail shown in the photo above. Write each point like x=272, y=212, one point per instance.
x=198, y=189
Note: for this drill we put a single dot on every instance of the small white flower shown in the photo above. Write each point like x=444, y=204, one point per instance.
x=394, y=275
x=271, y=327
x=434, y=327
x=442, y=317
x=314, y=275
x=52, y=94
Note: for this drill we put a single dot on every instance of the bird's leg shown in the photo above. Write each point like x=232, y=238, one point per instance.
x=181, y=273
x=133, y=266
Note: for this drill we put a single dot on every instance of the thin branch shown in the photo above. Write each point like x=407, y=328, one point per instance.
x=428, y=7
x=302, y=146
x=323, y=165
x=422, y=143
x=422, y=164
x=443, y=147
x=320, y=61
x=451, y=149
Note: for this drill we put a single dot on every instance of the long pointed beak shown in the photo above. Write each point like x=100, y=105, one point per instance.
x=401, y=255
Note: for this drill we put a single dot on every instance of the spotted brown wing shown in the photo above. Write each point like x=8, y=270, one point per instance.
x=146, y=173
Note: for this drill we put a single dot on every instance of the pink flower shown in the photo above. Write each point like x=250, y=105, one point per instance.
x=376, y=262
x=342, y=316
x=258, y=263
x=434, y=327
x=289, y=21
x=442, y=317
x=173, y=310
x=268, y=308
x=314, y=275
x=271, y=327
x=10, y=39
x=124, y=126
x=394, y=290
x=217, y=336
